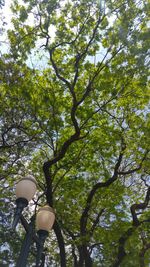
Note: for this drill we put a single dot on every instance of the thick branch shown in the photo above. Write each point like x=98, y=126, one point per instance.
x=62, y=152
x=140, y=206
x=48, y=179
x=56, y=227
x=60, y=77
x=122, y=242
x=84, y=257
x=61, y=244
x=129, y=232
x=121, y=249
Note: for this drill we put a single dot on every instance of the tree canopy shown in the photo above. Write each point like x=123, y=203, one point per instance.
x=74, y=90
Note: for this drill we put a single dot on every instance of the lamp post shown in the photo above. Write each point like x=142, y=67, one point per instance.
x=25, y=190
x=44, y=222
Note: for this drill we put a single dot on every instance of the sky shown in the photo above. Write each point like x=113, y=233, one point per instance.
x=7, y=15
x=38, y=58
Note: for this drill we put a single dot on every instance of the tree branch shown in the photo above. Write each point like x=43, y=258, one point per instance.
x=84, y=216
x=121, y=249
x=96, y=221
x=135, y=169
x=144, y=249
x=142, y=206
x=122, y=241
x=61, y=243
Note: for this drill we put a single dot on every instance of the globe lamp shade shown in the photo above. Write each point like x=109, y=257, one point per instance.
x=26, y=188
x=45, y=218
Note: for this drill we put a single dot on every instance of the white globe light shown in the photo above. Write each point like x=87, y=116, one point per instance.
x=45, y=218
x=26, y=188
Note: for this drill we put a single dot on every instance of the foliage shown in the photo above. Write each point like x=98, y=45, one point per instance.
x=81, y=126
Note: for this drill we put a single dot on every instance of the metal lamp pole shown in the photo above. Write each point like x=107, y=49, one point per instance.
x=25, y=249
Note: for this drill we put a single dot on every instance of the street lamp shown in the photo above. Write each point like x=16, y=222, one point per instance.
x=44, y=222
x=25, y=190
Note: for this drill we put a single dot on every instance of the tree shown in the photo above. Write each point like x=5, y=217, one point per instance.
x=80, y=125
